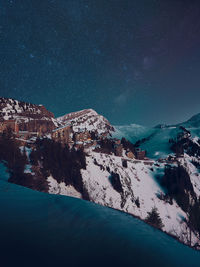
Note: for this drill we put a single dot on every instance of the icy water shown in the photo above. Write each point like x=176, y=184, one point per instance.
x=38, y=229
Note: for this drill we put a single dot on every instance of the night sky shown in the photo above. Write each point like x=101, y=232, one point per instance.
x=134, y=61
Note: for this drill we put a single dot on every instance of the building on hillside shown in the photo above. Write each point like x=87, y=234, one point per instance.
x=79, y=145
x=118, y=150
x=63, y=134
x=12, y=124
x=82, y=136
x=140, y=154
x=171, y=159
x=26, y=137
x=42, y=127
x=130, y=154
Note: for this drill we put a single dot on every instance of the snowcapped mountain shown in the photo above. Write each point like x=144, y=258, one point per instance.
x=193, y=122
x=86, y=119
x=132, y=132
x=162, y=189
x=136, y=188
x=155, y=140
x=14, y=109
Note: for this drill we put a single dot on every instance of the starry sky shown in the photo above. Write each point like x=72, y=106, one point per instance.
x=133, y=61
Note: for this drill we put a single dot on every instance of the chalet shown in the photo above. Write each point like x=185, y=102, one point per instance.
x=82, y=136
x=63, y=134
x=140, y=154
x=79, y=145
x=171, y=159
x=130, y=154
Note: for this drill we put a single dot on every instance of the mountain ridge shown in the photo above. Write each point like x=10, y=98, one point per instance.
x=80, y=158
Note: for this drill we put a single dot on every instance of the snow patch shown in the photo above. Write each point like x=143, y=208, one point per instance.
x=62, y=188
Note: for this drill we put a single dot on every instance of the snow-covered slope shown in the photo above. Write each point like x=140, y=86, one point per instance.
x=193, y=122
x=69, y=232
x=132, y=186
x=14, y=109
x=86, y=119
x=132, y=132
x=154, y=140
x=140, y=190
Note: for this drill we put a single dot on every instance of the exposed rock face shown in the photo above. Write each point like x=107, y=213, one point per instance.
x=63, y=134
x=29, y=117
x=36, y=118
x=87, y=119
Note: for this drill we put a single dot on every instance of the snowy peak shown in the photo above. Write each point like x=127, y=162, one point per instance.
x=13, y=109
x=132, y=132
x=76, y=114
x=87, y=119
x=31, y=117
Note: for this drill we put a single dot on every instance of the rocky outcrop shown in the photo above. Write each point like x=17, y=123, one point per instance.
x=29, y=117
x=89, y=120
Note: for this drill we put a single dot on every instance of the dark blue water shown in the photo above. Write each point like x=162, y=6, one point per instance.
x=38, y=229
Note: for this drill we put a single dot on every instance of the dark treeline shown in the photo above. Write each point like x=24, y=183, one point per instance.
x=179, y=187
x=62, y=163
x=107, y=146
x=144, y=140
x=14, y=159
x=128, y=145
x=178, y=184
x=153, y=218
x=182, y=143
x=47, y=158
x=194, y=217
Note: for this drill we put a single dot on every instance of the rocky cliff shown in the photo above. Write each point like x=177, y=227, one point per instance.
x=29, y=117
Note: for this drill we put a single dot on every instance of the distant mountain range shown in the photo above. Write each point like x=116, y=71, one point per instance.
x=194, y=121
x=151, y=173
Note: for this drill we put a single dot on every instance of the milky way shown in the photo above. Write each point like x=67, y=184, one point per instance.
x=132, y=61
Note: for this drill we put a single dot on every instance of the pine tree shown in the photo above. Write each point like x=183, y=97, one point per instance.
x=154, y=219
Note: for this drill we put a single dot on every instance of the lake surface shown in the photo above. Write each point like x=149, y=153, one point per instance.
x=38, y=229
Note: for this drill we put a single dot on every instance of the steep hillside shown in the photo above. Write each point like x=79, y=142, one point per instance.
x=155, y=140
x=63, y=228
x=134, y=189
x=132, y=132
x=193, y=122
x=163, y=189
